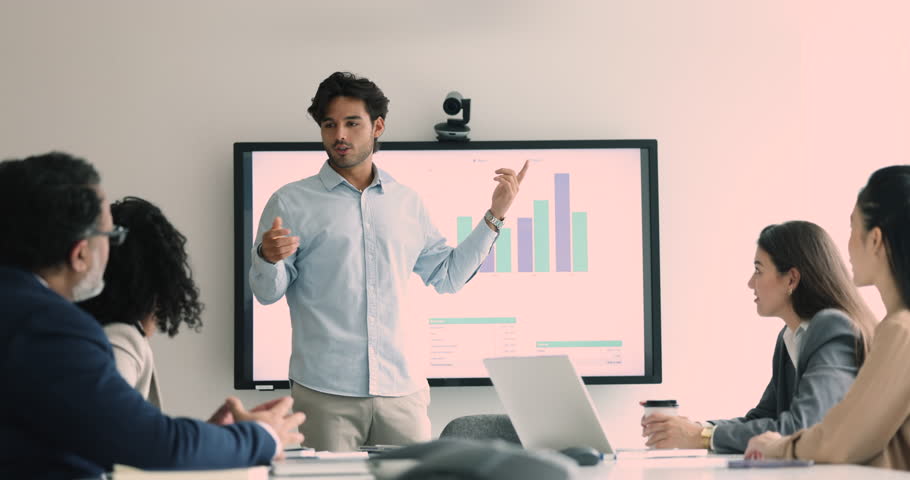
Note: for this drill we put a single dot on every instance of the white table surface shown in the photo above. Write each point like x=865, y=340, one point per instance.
x=715, y=467
x=704, y=468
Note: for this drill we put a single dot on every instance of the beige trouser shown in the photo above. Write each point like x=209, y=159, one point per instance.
x=341, y=424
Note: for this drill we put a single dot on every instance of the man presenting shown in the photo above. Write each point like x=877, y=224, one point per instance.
x=341, y=245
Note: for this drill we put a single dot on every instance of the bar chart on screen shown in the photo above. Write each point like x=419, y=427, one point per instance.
x=546, y=286
x=529, y=250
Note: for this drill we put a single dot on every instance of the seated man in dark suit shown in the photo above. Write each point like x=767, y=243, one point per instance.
x=65, y=411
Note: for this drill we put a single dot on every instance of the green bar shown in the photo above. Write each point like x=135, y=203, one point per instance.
x=581, y=343
x=472, y=321
x=579, y=241
x=464, y=228
x=504, y=251
x=541, y=236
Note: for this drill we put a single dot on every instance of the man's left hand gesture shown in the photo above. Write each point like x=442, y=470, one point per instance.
x=507, y=190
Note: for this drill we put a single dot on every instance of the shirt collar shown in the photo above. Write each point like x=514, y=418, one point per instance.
x=793, y=340
x=42, y=281
x=803, y=325
x=331, y=179
x=791, y=336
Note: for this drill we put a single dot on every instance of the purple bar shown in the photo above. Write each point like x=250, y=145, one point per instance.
x=563, y=224
x=489, y=264
x=525, y=245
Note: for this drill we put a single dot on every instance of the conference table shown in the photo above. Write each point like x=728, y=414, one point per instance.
x=714, y=467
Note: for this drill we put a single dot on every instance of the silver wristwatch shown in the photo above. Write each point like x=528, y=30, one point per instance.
x=492, y=219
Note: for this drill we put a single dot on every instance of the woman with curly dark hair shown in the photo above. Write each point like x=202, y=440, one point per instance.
x=148, y=286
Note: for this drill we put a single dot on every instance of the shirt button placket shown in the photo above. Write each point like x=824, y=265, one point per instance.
x=370, y=266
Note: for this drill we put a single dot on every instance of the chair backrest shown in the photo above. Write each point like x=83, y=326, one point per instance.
x=481, y=427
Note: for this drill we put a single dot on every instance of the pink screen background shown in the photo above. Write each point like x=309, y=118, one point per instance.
x=604, y=303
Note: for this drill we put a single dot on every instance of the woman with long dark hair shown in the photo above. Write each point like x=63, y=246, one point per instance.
x=872, y=424
x=799, y=277
x=149, y=287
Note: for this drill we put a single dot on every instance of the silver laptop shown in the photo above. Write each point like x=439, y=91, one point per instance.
x=550, y=407
x=547, y=402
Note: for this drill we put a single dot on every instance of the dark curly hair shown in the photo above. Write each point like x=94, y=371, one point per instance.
x=346, y=84
x=148, y=273
x=47, y=203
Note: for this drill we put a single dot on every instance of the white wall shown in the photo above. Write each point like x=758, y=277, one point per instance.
x=765, y=111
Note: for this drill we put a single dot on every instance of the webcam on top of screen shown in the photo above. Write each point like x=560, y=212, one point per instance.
x=454, y=129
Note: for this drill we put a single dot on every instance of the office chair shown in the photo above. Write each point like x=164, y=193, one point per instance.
x=481, y=427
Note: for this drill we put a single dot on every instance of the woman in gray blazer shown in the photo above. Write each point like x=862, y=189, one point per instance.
x=800, y=278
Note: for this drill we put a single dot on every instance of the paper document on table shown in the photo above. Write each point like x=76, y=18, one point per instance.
x=645, y=453
x=319, y=466
x=122, y=472
x=341, y=455
x=299, y=452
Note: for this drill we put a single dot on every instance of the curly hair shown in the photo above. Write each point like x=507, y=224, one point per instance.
x=149, y=273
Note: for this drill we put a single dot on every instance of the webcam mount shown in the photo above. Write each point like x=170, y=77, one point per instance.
x=454, y=129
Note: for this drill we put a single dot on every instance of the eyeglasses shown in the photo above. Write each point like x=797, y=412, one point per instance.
x=116, y=236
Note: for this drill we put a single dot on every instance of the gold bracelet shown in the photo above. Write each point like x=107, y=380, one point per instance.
x=706, y=434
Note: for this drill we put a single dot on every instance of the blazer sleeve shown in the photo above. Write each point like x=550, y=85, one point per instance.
x=63, y=374
x=766, y=407
x=730, y=436
x=860, y=427
x=126, y=356
x=725, y=438
x=829, y=371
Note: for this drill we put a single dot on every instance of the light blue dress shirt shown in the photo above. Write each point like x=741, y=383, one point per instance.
x=345, y=283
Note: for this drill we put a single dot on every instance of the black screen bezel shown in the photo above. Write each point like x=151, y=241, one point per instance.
x=243, y=217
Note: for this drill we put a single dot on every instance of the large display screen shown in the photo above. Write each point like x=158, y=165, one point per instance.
x=575, y=269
